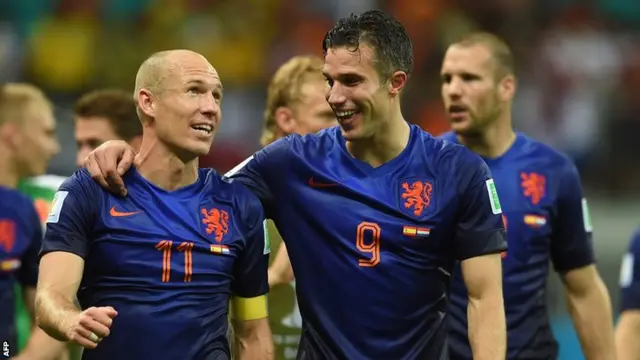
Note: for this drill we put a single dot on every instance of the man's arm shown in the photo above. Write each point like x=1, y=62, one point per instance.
x=250, y=286
x=573, y=258
x=487, y=324
x=628, y=329
x=280, y=271
x=56, y=303
x=39, y=346
x=479, y=240
x=627, y=334
x=66, y=244
x=590, y=308
x=251, y=329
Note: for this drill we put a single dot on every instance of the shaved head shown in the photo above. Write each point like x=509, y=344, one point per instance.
x=159, y=66
x=157, y=69
x=178, y=95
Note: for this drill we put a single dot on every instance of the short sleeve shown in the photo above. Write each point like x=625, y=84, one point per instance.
x=571, y=242
x=479, y=228
x=263, y=170
x=250, y=272
x=27, y=275
x=72, y=216
x=630, y=276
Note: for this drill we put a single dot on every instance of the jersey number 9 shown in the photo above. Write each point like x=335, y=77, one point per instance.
x=372, y=247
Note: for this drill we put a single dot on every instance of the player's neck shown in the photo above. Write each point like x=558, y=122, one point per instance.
x=8, y=173
x=385, y=145
x=493, y=142
x=163, y=168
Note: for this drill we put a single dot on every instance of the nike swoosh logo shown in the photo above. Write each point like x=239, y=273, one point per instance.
x=315, y=184
x=115, y=213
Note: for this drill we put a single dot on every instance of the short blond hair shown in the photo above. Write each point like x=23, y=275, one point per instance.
x=14, y=97
x=500, y=51
x=285, y=89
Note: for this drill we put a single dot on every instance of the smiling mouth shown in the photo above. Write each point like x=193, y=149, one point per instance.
x=345, y=115
x=205, y=129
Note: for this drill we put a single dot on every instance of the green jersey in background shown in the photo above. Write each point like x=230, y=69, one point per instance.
x=41, y=189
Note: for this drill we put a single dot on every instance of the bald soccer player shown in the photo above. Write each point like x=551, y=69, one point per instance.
x=164, y=261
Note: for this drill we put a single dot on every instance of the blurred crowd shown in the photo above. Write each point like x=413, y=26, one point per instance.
x=578, y=62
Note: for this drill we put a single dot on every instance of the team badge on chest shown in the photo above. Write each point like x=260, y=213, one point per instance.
x=416, y=197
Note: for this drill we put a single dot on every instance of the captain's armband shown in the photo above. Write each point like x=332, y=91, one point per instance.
x=244, y=309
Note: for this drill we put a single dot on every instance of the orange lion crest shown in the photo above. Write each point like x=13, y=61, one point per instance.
x=533, y=186
x=217, y=222
x=417, y=196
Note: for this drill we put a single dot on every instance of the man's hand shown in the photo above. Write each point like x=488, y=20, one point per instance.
x=89, y=327
x=108, y=163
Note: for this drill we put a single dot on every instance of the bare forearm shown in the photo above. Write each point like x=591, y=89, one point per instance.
x=626, y=335
x=487, y=328
x=53, y=311
x=592, y=318
x=280, y=272
x=42, y=347
x=256, y=346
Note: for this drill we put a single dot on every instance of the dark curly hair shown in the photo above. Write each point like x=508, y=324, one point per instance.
x=381, y=31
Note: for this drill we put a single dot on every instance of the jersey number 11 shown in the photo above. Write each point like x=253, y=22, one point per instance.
x=185, y=247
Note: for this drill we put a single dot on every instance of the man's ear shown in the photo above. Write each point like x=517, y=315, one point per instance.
x=285, y=120
x=507, y=88
x=146, y=102
x=397, y=81
x=10, y=134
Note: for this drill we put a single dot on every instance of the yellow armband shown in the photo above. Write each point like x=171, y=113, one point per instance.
x=249, y=308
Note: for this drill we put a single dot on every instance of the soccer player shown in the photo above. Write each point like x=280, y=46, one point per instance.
x=104, y=115
x=374, y=212
x=628, y=328
x=153, y=272
x=295, y=104
x=27, y=142
x=543, y=207
x=100, y=116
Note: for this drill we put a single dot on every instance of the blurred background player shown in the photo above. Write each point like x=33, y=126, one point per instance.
x=295, y=105
x=27, y=142
x=99, y=116
x=543, y=207
x=628, y=328
x=104, y=115
x=132, y=283
x=377, y=209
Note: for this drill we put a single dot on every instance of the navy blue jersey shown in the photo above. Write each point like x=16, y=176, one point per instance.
x=20, y=239
x=373, y=248
x=546, y=219
x=630, y=276
x=166, y=261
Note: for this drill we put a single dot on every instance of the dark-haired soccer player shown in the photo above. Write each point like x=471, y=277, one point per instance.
x=375, y=212
x=628, y=328
x=543, y=207
x=103, y=115
x=153, y=272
